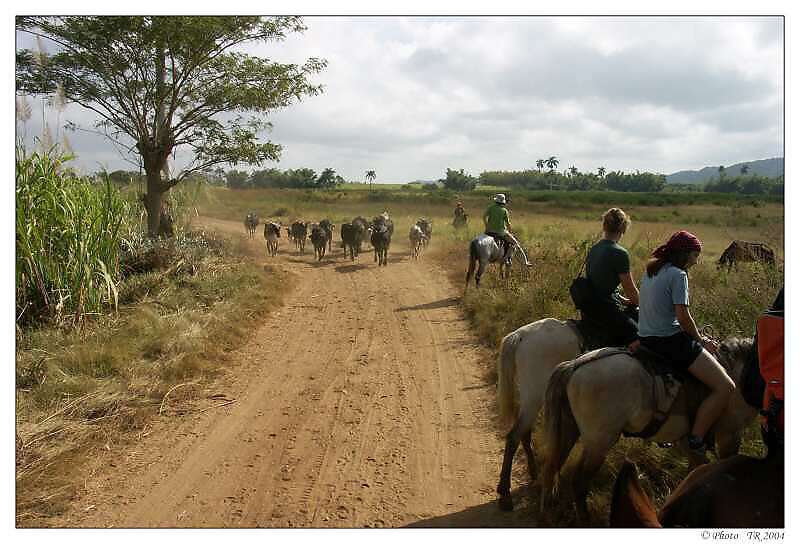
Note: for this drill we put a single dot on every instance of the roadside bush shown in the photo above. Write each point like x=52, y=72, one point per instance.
x=68, y=232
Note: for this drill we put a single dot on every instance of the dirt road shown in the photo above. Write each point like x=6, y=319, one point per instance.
x=363, y=402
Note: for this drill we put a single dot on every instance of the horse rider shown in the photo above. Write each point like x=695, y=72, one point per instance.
x=667, y=328
x=497, y=223
x=608, y=266
x=459, y=211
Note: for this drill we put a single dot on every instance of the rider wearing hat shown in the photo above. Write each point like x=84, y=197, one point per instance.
x=497, y=224
x=667, y=328
x=459, y=211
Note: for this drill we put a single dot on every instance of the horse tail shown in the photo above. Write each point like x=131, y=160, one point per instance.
x=506, y=369
x=473, y=258
x=560, y=429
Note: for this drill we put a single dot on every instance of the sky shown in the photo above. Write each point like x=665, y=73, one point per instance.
x=410, y=97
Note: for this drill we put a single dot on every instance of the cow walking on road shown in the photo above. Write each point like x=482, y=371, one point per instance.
x=250, y=223
x=272, y=231
x=329, y=228
x=427, y=229
x=361, y=225
x=416, y=239
x=351, y=240
x=381, y=237
x=299, y=232
x=319, y=239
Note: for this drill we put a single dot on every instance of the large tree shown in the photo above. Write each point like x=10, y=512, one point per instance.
x=167, y=82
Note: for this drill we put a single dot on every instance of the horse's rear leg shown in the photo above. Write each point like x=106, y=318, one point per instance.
x=527, y=445
x=504, y=486
x=592, y=458
x=520, y=432
x=470, y=271
x=479, y=273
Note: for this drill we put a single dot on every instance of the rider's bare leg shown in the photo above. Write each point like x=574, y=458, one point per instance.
x=706, y=369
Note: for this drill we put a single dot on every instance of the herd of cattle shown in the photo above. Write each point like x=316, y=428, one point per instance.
x=378, y=232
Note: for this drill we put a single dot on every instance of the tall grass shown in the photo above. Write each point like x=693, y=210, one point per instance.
x=67, y=241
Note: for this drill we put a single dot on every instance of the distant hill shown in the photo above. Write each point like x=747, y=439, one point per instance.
x=766, y=167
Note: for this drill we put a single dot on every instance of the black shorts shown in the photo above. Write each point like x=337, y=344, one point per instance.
x=679, y=349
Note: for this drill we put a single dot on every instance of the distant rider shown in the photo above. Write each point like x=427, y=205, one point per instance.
x=459, y=212
x=497, y=223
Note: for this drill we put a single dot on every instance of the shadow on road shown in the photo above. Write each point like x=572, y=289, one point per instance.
x=444, y=303
x=350, y=268
x=484, y=515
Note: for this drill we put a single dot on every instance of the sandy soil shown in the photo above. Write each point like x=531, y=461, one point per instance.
x=363, y=402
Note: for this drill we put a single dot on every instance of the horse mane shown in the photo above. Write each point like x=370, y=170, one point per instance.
x=733, y=349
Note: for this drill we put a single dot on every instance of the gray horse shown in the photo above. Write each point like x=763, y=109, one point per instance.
x=484, y=249
x=600, y=400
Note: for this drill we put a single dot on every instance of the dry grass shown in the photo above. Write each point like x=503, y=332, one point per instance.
x=98, y=387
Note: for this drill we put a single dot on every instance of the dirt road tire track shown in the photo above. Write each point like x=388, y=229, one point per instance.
x=361, y=403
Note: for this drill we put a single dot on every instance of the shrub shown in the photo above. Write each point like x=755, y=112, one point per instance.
x=68, y=232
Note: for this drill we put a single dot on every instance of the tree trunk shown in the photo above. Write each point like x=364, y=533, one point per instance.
x=159, y=220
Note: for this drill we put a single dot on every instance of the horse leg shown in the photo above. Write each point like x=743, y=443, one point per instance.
x=504, y=486
x=593, y=455
x=479, y=273
x=470, y=271
x=527, y=445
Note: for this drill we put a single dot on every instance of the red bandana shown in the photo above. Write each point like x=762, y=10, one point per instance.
x=680, y=241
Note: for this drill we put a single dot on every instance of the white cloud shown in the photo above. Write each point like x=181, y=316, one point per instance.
x=412, y=96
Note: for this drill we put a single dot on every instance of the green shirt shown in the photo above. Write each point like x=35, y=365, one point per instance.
x=498, y=217
x=605, y=262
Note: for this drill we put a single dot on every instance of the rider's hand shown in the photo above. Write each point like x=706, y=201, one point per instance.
x=711, y=345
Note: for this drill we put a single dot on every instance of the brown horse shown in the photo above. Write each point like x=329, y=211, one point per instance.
x=740, y=492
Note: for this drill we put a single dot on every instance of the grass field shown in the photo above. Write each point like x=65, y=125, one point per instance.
x=557, y=234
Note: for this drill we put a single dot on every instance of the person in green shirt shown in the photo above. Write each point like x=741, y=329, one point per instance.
x=607, y=267
x=497, y=223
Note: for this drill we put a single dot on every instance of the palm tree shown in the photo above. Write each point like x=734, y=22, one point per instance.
x=573, y=171
x=370, y=175
x=744, y=169
x=540, y=164
x=551, y=163
x=601, y=171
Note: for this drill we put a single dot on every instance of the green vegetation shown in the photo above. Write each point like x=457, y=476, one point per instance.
x=163, y=81
x=573, y=180
x=67, y=247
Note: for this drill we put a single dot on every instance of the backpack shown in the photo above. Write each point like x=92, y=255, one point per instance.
x=770, y=362
x=580, y=290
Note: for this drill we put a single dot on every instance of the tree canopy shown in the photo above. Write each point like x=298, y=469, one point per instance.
x=169, y=82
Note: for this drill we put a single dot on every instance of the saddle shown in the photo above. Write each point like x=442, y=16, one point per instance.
x=667, y=382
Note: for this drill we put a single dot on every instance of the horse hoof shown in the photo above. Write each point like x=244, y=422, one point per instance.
x=506, y=503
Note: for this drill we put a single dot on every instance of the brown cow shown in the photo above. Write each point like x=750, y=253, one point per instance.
x=741, y=251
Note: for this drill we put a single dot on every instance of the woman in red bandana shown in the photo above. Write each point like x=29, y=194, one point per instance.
x=667, y=327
